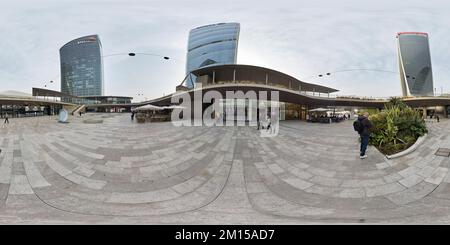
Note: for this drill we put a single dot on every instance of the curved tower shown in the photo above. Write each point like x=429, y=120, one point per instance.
x=82, y=67
x=215, y=44
x=415, y=64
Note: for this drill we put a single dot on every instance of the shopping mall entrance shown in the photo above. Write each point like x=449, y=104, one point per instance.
x=245, y=110
x=294, y=111
x=28, y=110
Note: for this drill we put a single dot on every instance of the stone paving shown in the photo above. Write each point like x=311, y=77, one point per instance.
x=121, y=172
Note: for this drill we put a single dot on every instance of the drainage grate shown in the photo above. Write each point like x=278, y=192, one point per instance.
x=443, y=152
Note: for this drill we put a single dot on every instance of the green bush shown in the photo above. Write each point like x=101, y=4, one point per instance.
x=396, y=128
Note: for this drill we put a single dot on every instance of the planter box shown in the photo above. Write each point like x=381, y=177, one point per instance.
x=409, y=150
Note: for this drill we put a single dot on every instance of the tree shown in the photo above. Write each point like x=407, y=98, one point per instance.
x=395, y=102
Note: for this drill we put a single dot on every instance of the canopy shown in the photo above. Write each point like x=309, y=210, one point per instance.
x=148, y=107
x=320, y=109
x=14, y=94
x=173, y=107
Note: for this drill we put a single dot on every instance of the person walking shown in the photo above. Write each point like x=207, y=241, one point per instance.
x=363, y=126
x=273, y=122
x=262, y=121
x=132, y=116
x=437, y=118
x=6, y=119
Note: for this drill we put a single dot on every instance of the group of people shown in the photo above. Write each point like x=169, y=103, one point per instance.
x=341, y=116
x=325, y=118
x=267, y=122
x=345, y=116
x=435, y=116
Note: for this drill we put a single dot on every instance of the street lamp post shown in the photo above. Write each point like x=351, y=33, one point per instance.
x=134, y=54
x=45, y=84
x=140, y=97
x=365, y=69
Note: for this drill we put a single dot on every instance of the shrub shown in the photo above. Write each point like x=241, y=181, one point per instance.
x=397, y=127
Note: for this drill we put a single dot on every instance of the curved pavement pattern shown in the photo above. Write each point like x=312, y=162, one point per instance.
x=124, y=172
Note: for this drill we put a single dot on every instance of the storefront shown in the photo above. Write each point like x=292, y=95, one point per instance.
x=28, y=110
x=248, y=110
x=295, y=112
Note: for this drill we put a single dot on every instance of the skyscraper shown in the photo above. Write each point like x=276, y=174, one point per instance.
x=82, y=67
x=415, y=64
x=215, y=44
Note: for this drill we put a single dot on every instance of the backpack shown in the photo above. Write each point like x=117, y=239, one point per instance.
x=358, y=126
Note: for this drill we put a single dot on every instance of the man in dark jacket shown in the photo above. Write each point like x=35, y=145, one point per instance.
x=364, y=133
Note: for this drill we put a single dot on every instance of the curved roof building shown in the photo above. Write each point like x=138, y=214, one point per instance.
x=249, y=74
x=82, y=67
x=245, y=78
x=415, y=64
x=215, y=44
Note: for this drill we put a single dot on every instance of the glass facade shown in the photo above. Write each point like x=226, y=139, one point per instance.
x=215, y=44
x=295, y=111
x=415, y=64
x=247, y=110
x=28, y=110
x=82, y=67
x=90, y=100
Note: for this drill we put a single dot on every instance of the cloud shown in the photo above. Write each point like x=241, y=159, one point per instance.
x=300, y=38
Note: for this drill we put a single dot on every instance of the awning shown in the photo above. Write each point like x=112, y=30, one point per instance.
x=320, y=109
x=148, y=108
x=173, y=107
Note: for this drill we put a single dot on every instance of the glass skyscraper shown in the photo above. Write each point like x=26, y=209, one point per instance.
x=215, y=44
x=415, y=64
x=82, y=67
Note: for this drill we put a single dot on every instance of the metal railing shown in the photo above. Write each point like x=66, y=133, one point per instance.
x=304, y=92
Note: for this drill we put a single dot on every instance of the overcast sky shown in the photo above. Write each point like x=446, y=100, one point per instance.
x=302, y=38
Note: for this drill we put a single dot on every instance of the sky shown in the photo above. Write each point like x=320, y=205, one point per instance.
x=301, y=38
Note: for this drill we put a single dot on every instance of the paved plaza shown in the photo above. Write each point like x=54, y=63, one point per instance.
x=122, y=172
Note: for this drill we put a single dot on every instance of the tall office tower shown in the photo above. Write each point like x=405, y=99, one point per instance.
x=415, y=64
x=215, y=44
x=82, y=67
